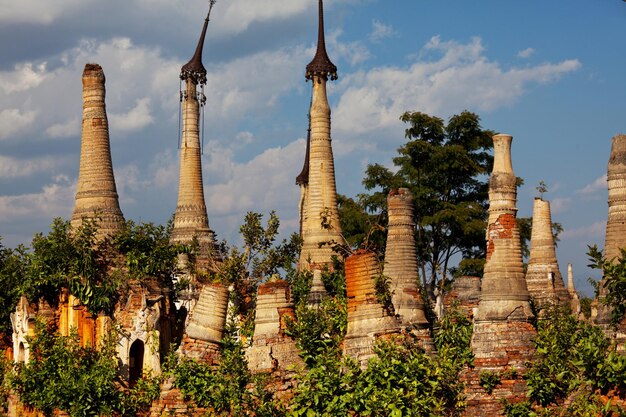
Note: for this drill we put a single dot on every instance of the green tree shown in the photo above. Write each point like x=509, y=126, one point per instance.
x=613, y=283
x=12, y=266
x=83, y=381
x=446, y=168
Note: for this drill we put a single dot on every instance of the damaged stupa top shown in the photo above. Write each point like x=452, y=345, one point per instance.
x=194, y=68
x=321, y=64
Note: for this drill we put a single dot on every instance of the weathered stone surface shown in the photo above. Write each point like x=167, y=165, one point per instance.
x=616, y=222
x=571, y=289
x=272, y=349
x=504, y=294
x=207, y=319
x=318, y=202
x=318, y=291
x=465, y=293
x=96, y=195
x=191, y=219
x=367, y=318
x=401, y=260
x=502, y=336
x=543, y=277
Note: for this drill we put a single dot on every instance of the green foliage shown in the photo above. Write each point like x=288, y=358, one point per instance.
x=613, y=289
x=335, y=279
x=401, y=380
x=445, y=167
x=259, y=259
x=452, y=337
x=83, y=381
x=73, y=259
x=224, y=388
x=382, y=285
x=361, y=229
x=5, y=369
x=300, y=284
x=147, y=250
x=572, y=356
x=12, y=266
x=522, y=409
x=489, y=380
x=319, y=331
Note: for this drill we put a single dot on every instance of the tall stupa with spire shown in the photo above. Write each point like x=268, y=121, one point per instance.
x=191, y=220
x=96, y=195
x=319, y=216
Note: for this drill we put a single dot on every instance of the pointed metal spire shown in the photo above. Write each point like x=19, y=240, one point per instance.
x=321, y=64
x=194, y=68
x=303, y=177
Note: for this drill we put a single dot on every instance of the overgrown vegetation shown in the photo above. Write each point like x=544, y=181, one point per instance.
x=445, y=167
x=82, y=381
x=573, y=358
x=613, y=291
x=224, y=389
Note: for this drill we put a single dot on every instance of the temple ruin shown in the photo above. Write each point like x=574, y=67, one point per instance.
x=543, y=277
x=96, y=195
x=319, y=215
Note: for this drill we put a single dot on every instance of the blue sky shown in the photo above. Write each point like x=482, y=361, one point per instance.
x=548, y=73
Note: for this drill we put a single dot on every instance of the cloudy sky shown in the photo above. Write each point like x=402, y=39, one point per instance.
x=549, y=73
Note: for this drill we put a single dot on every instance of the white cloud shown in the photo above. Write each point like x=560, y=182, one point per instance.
x=526, y=53
x=19, y=168
x=381, y=31
x=242, y=190
x=36, y=11
x=460, y=77
x=136, y=118
x=560, y=205
x=353, y=52
x=65, y=130
x=54, y=200
x=594, y=230
x=23, y=77
x=252, y=83
x=597, y=186
x=14, y=120
x=54, y=106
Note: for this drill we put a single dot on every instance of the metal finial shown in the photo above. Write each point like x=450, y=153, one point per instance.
x=321, y=64
x=194, y=68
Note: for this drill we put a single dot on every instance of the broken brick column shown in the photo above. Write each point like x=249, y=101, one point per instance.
x=543, y=277
x=206, y=323
x=503, y=336
x=368, y=319
x=96, y=194
x=272, y=349
x=616, y=222
x=573, y=295
x=401, y=263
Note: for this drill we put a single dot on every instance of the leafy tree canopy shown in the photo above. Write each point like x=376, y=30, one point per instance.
x=445, y=166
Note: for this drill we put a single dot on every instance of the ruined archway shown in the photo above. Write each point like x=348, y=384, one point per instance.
x=21, y=353
x=135, y=362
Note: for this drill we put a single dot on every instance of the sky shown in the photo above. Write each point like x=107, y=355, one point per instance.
x=550, y=73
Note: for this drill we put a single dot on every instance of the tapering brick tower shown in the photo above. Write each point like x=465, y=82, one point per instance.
x=191, y=220
x=401, y=259
x=504, y=308
x=503, y=337
x=543, y=277
x=319, y=214
x=96, y=196
x=616, y=222
x=571, y=289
